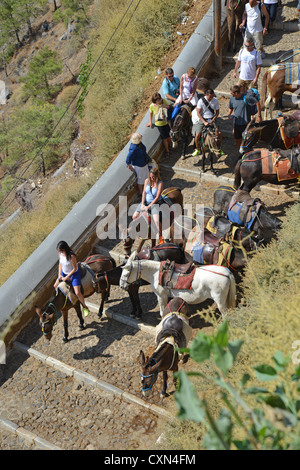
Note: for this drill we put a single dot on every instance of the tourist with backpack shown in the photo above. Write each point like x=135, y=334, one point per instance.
x=241, y=109
x=252, y=19
x=249, y=61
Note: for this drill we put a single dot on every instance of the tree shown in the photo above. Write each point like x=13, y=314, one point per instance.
x=42, y=68
x=33, y=139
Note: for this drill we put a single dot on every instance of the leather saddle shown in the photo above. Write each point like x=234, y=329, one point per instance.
x=169, y=270
x=220, y=226
x=173, y=326
x=246, y=206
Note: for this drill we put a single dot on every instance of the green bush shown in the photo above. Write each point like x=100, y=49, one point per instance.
x=273, y=424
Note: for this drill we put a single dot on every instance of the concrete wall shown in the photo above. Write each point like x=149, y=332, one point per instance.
x=32, y=283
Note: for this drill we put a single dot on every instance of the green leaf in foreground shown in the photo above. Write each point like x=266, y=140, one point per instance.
x=188, y=403
x=265, y=372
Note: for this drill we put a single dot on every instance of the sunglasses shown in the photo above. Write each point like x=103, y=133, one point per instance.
x=171, y=76
x=249, y=45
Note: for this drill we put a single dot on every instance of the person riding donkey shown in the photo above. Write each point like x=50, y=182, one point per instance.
x=203, y=116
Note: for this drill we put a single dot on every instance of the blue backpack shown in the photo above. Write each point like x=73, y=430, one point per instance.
x=250, y=98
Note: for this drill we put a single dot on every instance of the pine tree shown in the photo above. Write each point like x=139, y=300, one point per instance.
x=42, y=68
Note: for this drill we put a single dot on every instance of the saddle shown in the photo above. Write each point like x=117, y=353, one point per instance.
x=222, y=228
x=172, y=325
x=212, y=251
x=282, y=163
x=176, y=276
x=243, y=212
x=87, y=276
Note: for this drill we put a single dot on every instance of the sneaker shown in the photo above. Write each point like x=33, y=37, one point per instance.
x=195, y=153
x=86, y=312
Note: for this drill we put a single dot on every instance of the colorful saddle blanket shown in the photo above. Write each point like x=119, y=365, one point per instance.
x=292, y=73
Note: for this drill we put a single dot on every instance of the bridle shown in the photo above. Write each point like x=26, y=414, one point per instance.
x=252, y=134
x=138, y=275
x=49, y=320
x=212, y=138
x=150, y=375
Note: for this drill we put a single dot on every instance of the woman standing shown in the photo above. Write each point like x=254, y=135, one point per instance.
x=68, y=270
x=137, y=160
x=188, y=87
x=159, y=109
x=151, y=197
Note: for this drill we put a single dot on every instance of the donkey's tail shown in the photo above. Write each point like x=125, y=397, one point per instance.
x=237, y=174
x=231, y=297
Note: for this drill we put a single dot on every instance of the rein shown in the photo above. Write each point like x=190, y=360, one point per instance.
x=210, y=270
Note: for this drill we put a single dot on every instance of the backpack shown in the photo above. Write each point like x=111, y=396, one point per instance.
x=250, y=98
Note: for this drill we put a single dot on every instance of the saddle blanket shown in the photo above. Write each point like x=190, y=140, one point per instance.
x=194, y=238
x=292, y=73
x=186, y=330
x=275, y=163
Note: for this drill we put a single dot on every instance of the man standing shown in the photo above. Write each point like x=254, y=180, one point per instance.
x=254, y=27
x=205, y=114
x=249, y=61
x=242, y=113
x=170, y=86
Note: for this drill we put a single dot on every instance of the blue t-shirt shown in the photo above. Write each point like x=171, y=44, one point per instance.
x=137, y=155
x=170, y=88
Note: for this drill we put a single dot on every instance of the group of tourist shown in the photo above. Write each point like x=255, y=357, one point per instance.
x=244, y=105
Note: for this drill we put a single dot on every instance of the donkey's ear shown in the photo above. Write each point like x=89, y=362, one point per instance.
x=38, y=311
x=142, y=358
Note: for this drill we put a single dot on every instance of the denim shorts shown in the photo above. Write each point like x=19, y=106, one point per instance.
x=75, y=278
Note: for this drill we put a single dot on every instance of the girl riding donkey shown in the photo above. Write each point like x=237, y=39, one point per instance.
x=68, y=270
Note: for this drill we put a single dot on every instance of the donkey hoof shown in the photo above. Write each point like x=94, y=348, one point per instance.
x=81, y=327
x=138, y=317
x=65, y=339
x=99, y=314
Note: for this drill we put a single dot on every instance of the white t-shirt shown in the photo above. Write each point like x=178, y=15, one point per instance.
x=205, y=112
x=249, y=62
x=269, y=2
x=254, y=24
